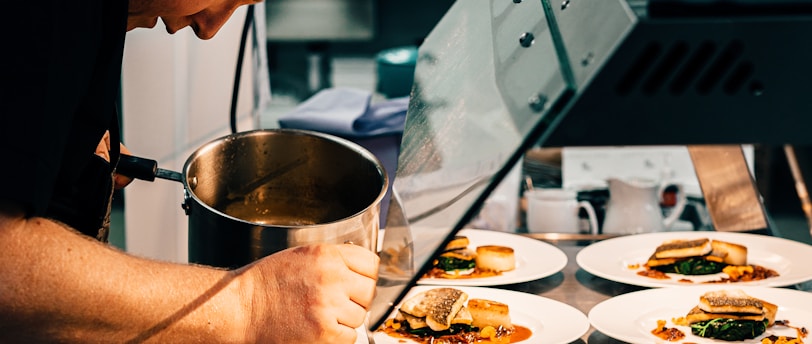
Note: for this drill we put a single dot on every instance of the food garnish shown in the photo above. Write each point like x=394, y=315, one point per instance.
x=703, y=257
x=670, y=334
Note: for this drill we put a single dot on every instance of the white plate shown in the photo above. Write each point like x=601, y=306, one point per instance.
x=549, y=321
x=534, y=259
x=631, y=317
x=611, y=258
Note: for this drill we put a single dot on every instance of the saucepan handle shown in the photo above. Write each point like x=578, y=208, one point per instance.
x=144, y=169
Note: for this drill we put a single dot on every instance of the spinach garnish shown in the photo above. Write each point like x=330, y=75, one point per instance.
x=729, y=329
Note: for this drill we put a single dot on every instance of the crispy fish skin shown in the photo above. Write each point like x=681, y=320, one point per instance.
x=730, y=301
x=731, y=304
x=447, y=303
x=420, y=304
x=439, y=306
x=683, y=248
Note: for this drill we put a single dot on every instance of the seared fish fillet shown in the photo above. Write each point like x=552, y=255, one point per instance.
x=439, y=306
x=730, y=301
x=462, y=317
x=731, y=304
x=683, y=248
x=697, y=315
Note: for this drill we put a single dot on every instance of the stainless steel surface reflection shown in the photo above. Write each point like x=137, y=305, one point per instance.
x=577, y=288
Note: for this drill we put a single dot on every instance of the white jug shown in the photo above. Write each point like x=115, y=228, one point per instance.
x=556, y=211
x=634, y=206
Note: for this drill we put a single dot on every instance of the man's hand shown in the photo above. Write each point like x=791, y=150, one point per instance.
x=120, y=180
x=103, y=150
x=310, y=294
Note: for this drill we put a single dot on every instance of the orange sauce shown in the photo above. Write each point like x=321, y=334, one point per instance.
x=519, y=333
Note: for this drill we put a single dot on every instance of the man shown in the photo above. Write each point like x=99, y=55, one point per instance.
x=59, y=142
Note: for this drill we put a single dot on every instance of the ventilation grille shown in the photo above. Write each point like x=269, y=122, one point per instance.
x=681, y=68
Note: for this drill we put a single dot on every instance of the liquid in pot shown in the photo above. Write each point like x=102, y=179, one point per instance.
x=287, y=212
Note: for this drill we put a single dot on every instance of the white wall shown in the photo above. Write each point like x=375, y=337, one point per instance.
x=176, y=97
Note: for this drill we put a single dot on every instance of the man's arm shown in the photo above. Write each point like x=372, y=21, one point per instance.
x=56, y=285
x=59, y=286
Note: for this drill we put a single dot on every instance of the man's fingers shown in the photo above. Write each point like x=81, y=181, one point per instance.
x=352, y=315
x=360, y=260
x=361, y=290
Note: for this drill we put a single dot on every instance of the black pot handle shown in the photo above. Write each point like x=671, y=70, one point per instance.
x=144, y=169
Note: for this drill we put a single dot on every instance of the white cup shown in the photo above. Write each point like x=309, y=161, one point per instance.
x=556, y=211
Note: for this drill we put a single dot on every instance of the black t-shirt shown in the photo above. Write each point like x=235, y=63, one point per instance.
x=61, y=75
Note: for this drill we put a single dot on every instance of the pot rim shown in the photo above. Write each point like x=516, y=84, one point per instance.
x=286, y=131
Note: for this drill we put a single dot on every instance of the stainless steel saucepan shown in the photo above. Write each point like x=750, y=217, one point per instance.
x=254, y=193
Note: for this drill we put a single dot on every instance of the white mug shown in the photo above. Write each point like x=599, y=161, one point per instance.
x=556, y=211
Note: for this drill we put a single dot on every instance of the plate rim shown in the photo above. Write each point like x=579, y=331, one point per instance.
x=497, y=294
x=666, y=293
x=552, y=254
x=582, y=258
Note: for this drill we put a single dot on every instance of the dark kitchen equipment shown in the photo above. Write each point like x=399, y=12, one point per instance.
x=254, y=193
x=497, y=77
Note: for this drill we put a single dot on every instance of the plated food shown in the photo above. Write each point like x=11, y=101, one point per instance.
x=503, y=258
x=461, y=261
x=702, y=256
x=447, y=315
x=707, y=314
x=730, y=315
x=623, y=260
x=479, y=315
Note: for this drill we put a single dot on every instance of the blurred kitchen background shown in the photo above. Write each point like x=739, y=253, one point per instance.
x=177, y=92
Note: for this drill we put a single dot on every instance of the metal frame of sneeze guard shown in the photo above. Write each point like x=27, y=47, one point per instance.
x=497, y=77
x=465, y=129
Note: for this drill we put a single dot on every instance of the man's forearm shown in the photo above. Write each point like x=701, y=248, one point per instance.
x=60, y=286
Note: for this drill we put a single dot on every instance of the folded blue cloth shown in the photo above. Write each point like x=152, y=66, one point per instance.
x=347, y=112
